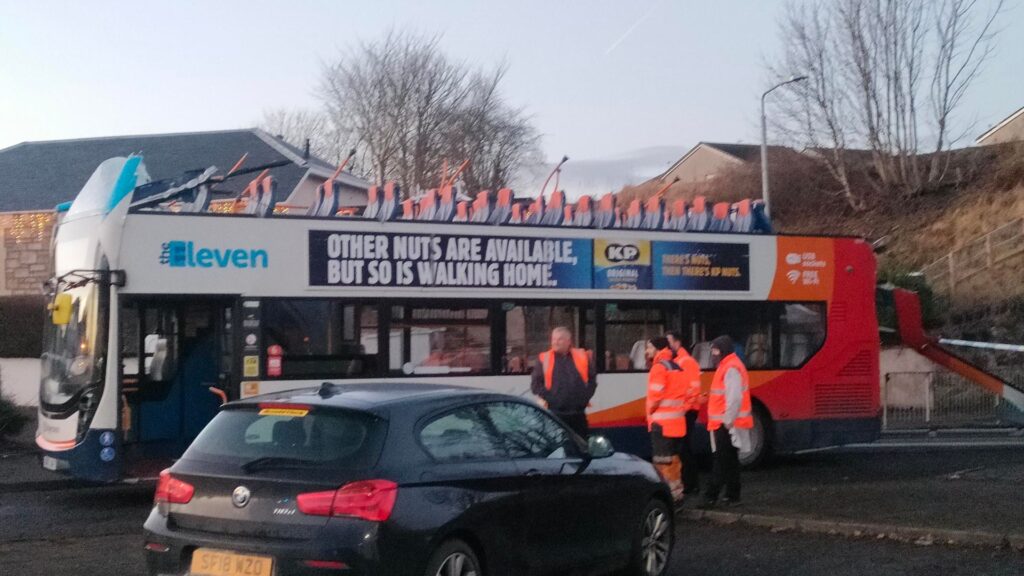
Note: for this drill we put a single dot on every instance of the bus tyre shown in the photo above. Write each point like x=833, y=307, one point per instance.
x=760, y=440
x=653, y=541
x=453, y=558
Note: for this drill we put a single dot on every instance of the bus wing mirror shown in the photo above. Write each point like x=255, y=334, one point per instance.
x=60, y=309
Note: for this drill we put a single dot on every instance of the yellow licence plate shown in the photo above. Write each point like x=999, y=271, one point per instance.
x=206, y=562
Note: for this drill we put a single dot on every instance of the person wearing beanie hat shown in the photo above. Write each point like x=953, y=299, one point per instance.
x=729, y=421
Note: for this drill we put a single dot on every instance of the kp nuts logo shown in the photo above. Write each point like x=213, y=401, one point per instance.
x=184, y=254
x=616, y=253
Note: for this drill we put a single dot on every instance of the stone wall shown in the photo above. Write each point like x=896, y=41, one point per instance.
x=24, y=252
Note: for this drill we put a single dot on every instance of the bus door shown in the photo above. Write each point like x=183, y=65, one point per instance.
x=176, y=371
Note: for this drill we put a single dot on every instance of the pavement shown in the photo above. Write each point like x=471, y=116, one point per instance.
x=937, y=485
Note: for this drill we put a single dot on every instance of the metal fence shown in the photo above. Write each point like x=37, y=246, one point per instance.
x=936, y=400
x=975, y=257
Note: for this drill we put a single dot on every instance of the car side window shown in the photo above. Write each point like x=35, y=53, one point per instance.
x=460, y=436
x=529, y=432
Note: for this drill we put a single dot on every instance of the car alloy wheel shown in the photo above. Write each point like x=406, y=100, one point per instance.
x=656, y=542
x=457, y=564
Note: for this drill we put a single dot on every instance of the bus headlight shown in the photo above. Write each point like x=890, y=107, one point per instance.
x=80, y=365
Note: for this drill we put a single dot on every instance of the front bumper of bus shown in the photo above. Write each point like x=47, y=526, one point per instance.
x=97, y=458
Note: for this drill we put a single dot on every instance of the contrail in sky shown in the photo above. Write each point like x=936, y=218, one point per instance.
x=632, y=28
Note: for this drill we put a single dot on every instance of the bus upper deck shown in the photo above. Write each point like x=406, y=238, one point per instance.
x=175, y=301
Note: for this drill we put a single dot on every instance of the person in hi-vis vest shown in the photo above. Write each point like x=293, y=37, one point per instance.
x=666, y=414
x=730, y=419
x=565, y=378
x=694, y=399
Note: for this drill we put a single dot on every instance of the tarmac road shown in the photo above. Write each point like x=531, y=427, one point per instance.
x=97, y=531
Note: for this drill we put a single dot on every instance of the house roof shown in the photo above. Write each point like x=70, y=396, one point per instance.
x=40, y=175
x=738, y=152
x=1000, y=125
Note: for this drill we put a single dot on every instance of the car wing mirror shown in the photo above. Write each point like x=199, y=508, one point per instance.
x=599, y=447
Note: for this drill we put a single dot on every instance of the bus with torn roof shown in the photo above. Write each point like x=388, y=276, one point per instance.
x=172, y=297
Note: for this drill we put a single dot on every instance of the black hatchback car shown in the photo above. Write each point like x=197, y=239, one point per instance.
x=403, y=479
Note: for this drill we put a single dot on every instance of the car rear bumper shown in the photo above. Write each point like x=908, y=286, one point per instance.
x=354, y=544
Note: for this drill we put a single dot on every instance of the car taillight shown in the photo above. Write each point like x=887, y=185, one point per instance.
x=170, y=490
x=369, y=499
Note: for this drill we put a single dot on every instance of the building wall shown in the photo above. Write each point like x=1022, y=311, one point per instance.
x=1012, y=132
x=24, y=252
x=19, y=380
x=703, y=164
x=305, y=193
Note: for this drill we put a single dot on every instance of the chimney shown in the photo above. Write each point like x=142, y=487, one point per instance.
x=305, y=151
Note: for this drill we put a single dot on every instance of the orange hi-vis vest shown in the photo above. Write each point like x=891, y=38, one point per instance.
x=579, y=357
x=690, y=376
x=717, y=404
x=666, y=397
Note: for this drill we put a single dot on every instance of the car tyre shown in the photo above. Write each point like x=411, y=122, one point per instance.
x=454, y=558
x=652, y=544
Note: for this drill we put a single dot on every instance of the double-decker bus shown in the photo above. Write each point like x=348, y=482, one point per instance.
x=164, y=308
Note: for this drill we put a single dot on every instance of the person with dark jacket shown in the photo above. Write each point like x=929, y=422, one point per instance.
x=565, y=378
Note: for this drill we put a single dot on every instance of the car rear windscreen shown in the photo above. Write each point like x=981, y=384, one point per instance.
x=317, y=437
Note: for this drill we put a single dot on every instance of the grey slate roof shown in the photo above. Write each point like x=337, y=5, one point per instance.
x=744, y=152
x=40, y=175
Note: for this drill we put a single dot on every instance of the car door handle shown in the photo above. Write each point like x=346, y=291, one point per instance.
x=533, y=472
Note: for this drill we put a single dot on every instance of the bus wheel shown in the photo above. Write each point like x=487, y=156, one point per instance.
x=760, y=440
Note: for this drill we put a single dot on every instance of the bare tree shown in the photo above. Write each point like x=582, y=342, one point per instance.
x=410, y=108
x=296, y=126
x=819, y=114
x=873, y=66
x=964, y=45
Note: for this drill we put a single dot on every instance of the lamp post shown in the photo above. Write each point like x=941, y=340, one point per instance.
x=764, y=142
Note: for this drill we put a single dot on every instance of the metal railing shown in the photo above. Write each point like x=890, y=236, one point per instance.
x=975, y=257
x=936, y=400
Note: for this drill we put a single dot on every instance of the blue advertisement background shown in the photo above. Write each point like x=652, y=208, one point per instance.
x=731, y=257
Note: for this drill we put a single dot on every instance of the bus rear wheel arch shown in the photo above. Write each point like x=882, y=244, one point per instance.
x=761, y=438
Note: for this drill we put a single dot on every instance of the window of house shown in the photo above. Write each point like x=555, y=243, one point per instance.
x=528, y=333
x=440, y=340
x=321, y=338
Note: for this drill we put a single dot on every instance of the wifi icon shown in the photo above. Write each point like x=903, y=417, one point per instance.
x=793, y=276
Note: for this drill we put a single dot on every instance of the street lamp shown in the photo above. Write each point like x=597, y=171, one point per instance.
x=764, y=141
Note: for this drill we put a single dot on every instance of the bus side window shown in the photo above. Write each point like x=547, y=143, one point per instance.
x=628, y=327
x=528, y=333
x=801, y=332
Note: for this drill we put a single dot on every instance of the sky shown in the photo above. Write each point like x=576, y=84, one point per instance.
x=600, y=78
